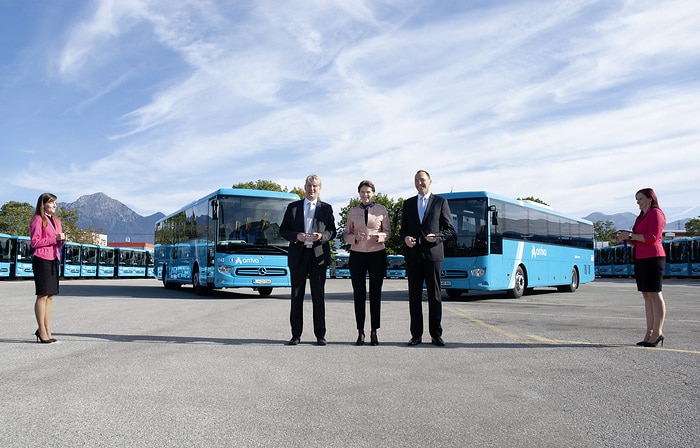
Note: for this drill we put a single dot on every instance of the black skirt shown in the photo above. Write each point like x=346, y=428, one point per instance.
x=45, y=276
x=649, y=273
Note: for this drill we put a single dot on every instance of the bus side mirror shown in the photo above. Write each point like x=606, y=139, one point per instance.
x=215, y=209
x=494, y=215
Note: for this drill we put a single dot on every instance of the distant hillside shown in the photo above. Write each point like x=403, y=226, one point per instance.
x=626, y=220
x=118, y=221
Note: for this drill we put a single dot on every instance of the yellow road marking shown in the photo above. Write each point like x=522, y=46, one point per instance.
x=536, y=340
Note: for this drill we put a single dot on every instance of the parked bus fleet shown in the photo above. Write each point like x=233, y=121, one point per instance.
x=682, y=259
x=77, y=260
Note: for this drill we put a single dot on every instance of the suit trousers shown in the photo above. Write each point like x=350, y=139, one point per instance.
x=308, y=266
x=418, y=271
x=361, y=264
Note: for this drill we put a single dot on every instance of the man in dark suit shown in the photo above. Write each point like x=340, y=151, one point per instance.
x=426, y=222
x=308, y=225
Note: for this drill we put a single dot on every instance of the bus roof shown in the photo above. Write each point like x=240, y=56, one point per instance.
x=526, y=204
x=237, y=192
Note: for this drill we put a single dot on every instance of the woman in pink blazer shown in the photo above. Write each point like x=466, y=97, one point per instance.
x=366, y=231
x=649, y=263
x=47, y=237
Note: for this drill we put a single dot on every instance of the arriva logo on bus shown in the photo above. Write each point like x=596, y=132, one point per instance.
x=538, y=252
x=240, y=260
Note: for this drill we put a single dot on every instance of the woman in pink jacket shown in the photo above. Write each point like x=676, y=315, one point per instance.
x=649, y=263
x=366, y=231
x=47, y=237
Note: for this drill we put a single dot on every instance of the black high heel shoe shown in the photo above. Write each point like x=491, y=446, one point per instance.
x=360, y=338
x=654, y=344
x=373, y=338
x=43, y=341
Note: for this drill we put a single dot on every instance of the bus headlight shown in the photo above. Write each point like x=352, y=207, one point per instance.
x=226, y=270
x=478, y=272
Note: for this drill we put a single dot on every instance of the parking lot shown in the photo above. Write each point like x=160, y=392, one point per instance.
x=139, y=365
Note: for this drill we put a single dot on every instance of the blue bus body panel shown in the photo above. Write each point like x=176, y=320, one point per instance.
x=546, y=265
x=249, y=263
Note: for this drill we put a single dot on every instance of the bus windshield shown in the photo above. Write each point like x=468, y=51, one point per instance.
x=470, y=221
x=248, y=220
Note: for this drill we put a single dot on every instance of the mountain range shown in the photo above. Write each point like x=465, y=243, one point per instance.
x=121, y=224
x=111, y=217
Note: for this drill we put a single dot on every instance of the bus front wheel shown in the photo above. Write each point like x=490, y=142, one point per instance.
x=199, y=289
x=265, y=291
x=454, y=293
x=520, y=284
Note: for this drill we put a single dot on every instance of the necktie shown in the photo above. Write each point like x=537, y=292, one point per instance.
x=308, y=217
x=421, y=207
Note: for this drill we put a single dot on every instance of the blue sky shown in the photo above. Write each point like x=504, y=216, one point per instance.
x=156, y=103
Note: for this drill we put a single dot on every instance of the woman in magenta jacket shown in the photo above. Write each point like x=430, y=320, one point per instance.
x=47, y=237
x=649, y=263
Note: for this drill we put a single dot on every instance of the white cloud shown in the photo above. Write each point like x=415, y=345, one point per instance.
x=577, y=103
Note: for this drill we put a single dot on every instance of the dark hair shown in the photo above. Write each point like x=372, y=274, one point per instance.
x=423, y=171
x=40, y=203
x=649, y=192
x=366, y=183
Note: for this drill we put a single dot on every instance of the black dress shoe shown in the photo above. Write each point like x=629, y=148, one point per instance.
x=294, y=341
x=414, y=341
x=439, y=341
x=321, y=341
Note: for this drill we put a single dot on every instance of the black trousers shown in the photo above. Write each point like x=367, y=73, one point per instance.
x=308, y=267
x=361, y=265
x=418, y=271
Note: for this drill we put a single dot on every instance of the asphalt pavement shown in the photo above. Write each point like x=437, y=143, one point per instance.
x=139, y=365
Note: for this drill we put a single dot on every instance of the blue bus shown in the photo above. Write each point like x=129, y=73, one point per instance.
x=88, y=260
x=6, y=264
x=227, y=239
x=106, y=262
x=604, y=261
x=695, y=256
x=510, y=245
x=71, y=259
x=342, y=266
x=395, y=266
x=677, y=257
x=23, y=257
x=131, y=262
x=623, y=260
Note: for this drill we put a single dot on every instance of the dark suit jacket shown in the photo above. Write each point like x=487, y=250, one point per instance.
x=293, y=223
x=437, y=220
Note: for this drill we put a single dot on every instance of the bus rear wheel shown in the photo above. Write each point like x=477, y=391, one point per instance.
x=166, y=283
x=520, y=284
x=573, y=285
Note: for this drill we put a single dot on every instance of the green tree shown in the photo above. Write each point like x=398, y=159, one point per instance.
x=394, y=245
x=692, y=227
x=260, y=184
x=605, y=231
x=533, y=199
x=15, y=218
x=269, y=185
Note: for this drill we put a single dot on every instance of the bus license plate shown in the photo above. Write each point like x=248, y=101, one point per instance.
x=262, y=281
x=445, y=283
